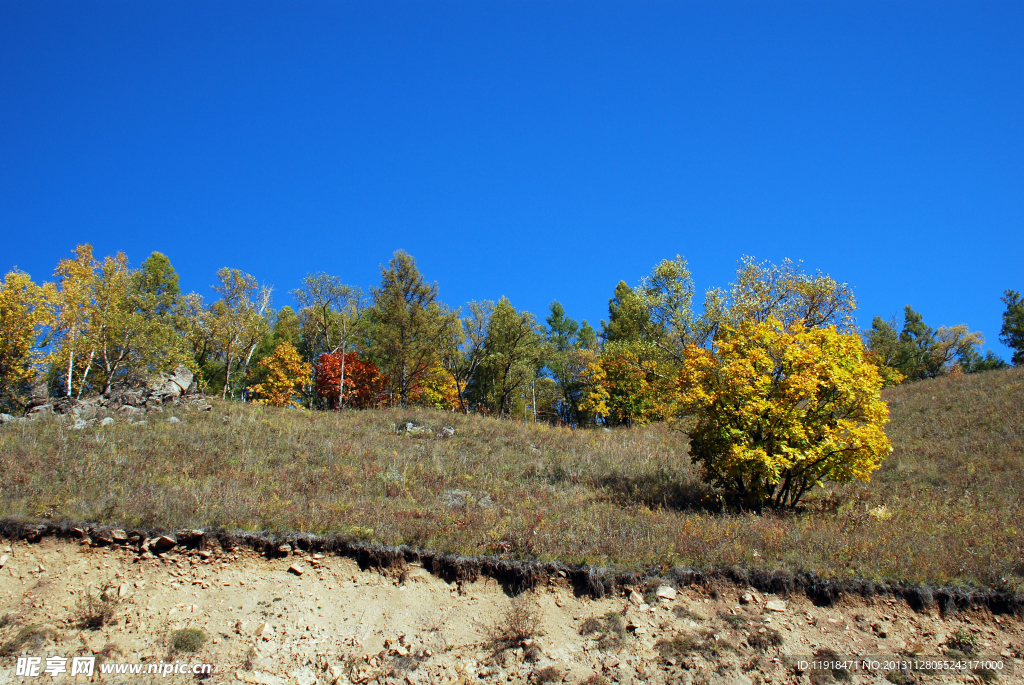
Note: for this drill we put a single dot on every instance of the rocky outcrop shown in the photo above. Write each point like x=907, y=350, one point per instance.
x=124, y=401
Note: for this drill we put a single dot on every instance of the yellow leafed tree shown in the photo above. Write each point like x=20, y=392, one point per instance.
x=24, y=312
x=779, y=410
x=437, y=389
x=286, y=373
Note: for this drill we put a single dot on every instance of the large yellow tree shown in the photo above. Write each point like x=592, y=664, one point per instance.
x=781, y=409
x=286, y=375
x=24, y=315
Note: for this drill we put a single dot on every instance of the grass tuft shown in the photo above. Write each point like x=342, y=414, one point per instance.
x=187, y=640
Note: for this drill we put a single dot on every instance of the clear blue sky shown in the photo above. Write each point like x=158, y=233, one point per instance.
x=535, y=150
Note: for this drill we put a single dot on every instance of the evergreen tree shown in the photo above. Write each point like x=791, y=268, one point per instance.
x=626, y=317
x=406, y=325
x=513, y=352
x=1012, y=332
x=565, y=340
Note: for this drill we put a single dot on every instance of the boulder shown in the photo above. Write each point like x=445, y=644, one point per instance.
x=38, y=411
x=666, y=592
x=165, y=542
x=775, y=605
x=39, y=394
x=183, y=378
x=188, y=536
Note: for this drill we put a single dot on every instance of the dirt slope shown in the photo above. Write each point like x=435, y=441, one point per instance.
x=337, y=624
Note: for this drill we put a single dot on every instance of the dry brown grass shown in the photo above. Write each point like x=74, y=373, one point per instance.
x=945, y=508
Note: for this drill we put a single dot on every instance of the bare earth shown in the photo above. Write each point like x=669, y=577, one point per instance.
x=337, y=624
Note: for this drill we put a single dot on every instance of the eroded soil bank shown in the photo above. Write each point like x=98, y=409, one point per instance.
x=335, y=623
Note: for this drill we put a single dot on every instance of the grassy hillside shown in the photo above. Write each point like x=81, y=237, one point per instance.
x=945, y=508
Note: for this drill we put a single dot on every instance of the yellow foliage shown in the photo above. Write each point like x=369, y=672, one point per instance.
x=24, y=312
x=630, y=387
x=437, y=389
x=593, y=378
x=780, y=410
x=286, y=375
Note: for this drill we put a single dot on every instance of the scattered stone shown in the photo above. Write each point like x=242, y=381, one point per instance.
x=78, y=425
x=636, y=598
x=296, y=569
x=102, y=537
x=775, y=605
x=165, y=542
x=119, y=536
x=746, y=598
x=3, y=560
x=457, y=498
x=188, y=536
x=122, y=590
x=174, y=419
x=284, y=550
x=106, y=421
x=447, y=431
x=6, y=418
x=666, y=592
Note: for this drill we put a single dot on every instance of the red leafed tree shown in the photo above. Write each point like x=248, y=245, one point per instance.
x=364, y=383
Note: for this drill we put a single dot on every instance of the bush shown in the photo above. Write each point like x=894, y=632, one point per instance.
x=964, y=642
x=779, y=410
x=762, y=641
x=187, y=639
x=96, y=611
x=31, y=636
x=517, y=625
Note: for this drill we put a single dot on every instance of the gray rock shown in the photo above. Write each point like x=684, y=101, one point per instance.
x=38, y=411
x=6, y=418
x=39, y=395
x=174, y=419
x=107, y=421
x=79, y=425
x=447, y=431
x=182, y=378
x=457, y=498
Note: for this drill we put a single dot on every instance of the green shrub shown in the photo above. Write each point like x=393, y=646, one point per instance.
x=187, y=639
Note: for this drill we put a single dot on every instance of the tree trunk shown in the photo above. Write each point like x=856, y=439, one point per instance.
x=341, y=389
x=71, y=363
x=227, y=378
x=86, y=374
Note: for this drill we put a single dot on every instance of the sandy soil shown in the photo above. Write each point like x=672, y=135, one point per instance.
x=337, y=624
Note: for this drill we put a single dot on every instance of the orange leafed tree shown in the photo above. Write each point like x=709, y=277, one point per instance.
x=364, y=383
